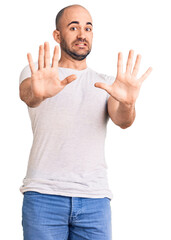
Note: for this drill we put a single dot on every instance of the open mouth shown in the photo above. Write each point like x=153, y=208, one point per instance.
x=81, y=44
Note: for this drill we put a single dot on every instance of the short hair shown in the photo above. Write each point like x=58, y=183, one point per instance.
x=58, y=17
x=60, y=14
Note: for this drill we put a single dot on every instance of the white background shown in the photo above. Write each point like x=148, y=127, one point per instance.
x=138, y=158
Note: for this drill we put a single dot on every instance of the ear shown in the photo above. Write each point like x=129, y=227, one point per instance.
x=56, y=36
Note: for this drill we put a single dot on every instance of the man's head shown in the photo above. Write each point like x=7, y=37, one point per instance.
x=74, y=31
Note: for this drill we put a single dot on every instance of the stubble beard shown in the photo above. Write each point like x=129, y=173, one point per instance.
x=73, y=53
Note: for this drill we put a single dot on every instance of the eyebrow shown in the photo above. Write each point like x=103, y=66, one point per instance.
x=76, y=22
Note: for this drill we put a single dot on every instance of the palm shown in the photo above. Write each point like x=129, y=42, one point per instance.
x=45, y=81
x=125, y=89
x=126, y=86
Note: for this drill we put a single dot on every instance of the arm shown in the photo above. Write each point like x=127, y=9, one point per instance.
x=124, y=91
x=26, y=94
x=121, y=114
x=44, y=82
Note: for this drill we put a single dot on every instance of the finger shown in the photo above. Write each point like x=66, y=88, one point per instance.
x=129, y=61
x=31, y=63
x=104, y=86
x=46, y=55
x=40, y=59
x=68, y=80
x=120, y=64
x=55, y=57
x=136, y=66
x=146, y=74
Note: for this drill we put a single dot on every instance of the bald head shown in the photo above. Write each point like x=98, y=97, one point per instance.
x=66, y=11
x=74, y=32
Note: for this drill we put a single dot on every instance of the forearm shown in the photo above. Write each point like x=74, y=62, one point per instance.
x=121, y=114
x=125, y=115
x=26, y=94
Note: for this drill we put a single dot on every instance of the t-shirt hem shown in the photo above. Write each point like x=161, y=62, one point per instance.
x=67, y=194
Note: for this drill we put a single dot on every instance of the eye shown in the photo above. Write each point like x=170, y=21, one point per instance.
x=73, y=28
x=88, y=29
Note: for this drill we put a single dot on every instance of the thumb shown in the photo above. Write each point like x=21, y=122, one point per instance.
x=68, y=79
x=104, y=86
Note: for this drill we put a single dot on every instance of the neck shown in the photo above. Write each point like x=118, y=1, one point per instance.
x=67, y=62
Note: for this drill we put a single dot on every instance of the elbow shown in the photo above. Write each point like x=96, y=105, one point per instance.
x=126, y=125
x=123, y=124
x=21, y=96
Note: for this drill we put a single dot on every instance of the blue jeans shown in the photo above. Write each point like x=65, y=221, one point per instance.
x=55, y=217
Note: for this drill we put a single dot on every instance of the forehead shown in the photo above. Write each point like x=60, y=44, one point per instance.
x=76, y=14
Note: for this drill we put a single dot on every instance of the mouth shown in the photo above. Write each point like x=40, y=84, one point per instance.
x=81, y=44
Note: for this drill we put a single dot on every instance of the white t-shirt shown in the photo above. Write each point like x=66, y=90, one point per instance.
x=67, y=156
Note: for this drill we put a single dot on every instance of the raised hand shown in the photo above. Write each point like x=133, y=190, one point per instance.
x=45, y=81
x=126, y=86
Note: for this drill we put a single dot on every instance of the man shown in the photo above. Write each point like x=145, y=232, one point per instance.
x=66, y=194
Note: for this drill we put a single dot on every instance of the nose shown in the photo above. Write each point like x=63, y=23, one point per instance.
x=81, y=33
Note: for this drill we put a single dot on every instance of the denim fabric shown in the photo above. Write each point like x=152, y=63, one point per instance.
x=55, y=217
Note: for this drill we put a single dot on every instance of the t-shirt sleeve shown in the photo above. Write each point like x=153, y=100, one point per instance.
x=26, y=72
